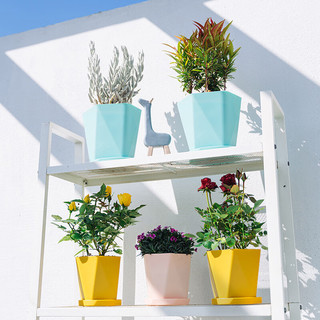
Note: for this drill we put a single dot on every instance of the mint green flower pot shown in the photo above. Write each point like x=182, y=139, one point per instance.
x=111, y=131
x=210, y=119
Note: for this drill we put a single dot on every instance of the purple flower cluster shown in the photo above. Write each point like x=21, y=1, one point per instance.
x=141, y=236
x=164, y=240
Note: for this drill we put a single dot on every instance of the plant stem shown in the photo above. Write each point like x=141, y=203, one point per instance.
x=208, y=200
x=206, y=81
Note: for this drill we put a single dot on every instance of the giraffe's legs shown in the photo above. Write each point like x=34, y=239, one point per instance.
x=166, y=149
x=150, y=151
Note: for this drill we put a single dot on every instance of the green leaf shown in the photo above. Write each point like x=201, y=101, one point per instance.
x=189, y=235
x=200, y=235
x=65, y=238
x=118, y=251
x=138, y=208
x=59, y=226
x=79, y=252
x=69, y=221
x=56, y=217
x=214, y=245
x=208, y=244
x=83, y=208
x=230, y=242
x=222, y=240
x=257, y=203
x=76, y=236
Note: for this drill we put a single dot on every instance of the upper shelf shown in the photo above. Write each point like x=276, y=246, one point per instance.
x=172, y=166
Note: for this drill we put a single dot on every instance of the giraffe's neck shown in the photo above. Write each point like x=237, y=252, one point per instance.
x=148, y=119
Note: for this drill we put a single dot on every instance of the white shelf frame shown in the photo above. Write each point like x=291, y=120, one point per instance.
x=151, y=311
x=271, y=157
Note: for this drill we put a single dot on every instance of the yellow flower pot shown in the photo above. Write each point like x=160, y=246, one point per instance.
x=234, y=275
x=98, y=280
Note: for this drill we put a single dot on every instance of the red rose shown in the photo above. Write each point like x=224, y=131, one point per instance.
x=212, y=186
x=206, y=183
x=223, y=188
x=228, y=179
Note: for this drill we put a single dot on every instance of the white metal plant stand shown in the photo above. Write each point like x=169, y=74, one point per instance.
x=270, y=157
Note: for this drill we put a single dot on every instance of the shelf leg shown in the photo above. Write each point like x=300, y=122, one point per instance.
x=44, y=160
x=129, y=271
x=273, y=210
x=47, y=129
x=286, y=215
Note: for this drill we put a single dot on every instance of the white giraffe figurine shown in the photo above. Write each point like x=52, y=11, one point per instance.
x=154, y=139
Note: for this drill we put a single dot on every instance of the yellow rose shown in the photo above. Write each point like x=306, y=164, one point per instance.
x=86, y=199
x=72, y=206
x=124, y=199
x=234, y=189
x=108, y=191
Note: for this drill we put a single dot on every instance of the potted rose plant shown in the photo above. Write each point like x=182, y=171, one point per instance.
x=167, y=258
x=95, y=224
x=112, y=124
x=228, y=229
x=204, y=62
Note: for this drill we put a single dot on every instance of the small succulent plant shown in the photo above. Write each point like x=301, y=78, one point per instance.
x=122, y=80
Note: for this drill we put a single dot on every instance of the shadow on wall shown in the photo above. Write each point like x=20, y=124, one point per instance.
x=177, y=132
x=253, y=115
x=253, y=57
x=179, y=16
x=309, y=277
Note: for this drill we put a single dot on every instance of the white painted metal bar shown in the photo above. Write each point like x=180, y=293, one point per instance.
x=286, y=212
x=277, y=284
x=167, y=311
x=44, y=162
x=47, y=130
x=129, y=273
x=65, y=133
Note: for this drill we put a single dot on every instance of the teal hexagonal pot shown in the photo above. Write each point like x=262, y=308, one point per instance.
x=111, y=131
x=210, y=119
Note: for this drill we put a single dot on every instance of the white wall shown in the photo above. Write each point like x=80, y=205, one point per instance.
x=43, y=78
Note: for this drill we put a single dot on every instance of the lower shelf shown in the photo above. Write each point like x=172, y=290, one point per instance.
x=153, y=311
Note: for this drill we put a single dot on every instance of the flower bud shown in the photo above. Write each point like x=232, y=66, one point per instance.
x=72, y=206
x=86, y=199
x=108, y=191
x=124, y=199
x=234, y=189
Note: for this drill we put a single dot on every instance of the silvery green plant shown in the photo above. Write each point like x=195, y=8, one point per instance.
x=122, y=80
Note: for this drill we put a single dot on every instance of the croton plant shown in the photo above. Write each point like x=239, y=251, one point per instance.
x=205, y=60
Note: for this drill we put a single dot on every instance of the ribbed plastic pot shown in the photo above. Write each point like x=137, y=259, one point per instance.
x=111, y=131
x=98, y=280
x=167, y=276
x=234, y=275
x=210, y=119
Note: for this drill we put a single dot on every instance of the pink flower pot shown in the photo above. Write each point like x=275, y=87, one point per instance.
x=167, y=276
